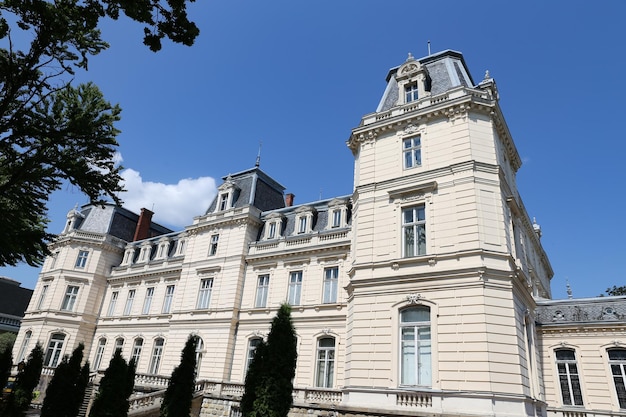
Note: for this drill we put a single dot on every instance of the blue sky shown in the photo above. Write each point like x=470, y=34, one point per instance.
x=299, y=75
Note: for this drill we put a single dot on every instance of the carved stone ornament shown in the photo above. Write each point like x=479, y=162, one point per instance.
x=409, y=68
x=414, y=298
x=326, y=331
x=410, y=128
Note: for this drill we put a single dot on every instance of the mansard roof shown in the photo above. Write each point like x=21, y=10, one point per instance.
x=445, y=70
x=601, y=310
x=252, y=187
x=113, y=220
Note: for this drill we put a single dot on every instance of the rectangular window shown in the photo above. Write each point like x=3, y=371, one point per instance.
x=302, y=224
x=410, y=92
x=331, y=280
x=24, y=348
x=70, y=298
x=223, y=205
x=412, y=152
x=295, y=288
x=169, y=296
x=414, y=231
x=137, y=350
x=325, y=362
x=617, y=362
x=99, y=352
x=129, y=302
x=415, y=347
x=204, y=295
x=213, y=245
x=55, y=347
x=147, y=302
x=111, y=310
x=261, y=291
x=157, y=352
x=568, y=377
x=271, y=233
x=42, y=297
x=81, y=260
x=336, y=218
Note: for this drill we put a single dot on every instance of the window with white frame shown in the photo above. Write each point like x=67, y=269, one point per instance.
x=99, y=352
x=180, y=246
x=223, y=202
x=414, y=231
x=304, y=220
x=199, y=351
x=325, y=362
x=71, y=292
x=415, y=347
x=81, y=260
x=163, y=248
x=263, y=285
x=129, y=254
x=410, y=92
x=24, y=348
x=271, y=231
x=144, y=253
x=412, y=150
x=568, y=377
x=112, y=303
x=42, y=296
x=157, y=353
x=147, y=301
x=336, y=218
x=331, y=281
x=252, y=345
x=137, y=346
x=302, y=224
x=273, y=226
x=204, y=294
x=295, y=288
x=119, y=345
x=130, y=298
x=617, y=362
x=55, y=347
x=169, y=297
x=213, y=245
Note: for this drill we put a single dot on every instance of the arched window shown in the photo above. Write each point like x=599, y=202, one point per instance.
x=325, y=362
x=119, y=345
x=24, y=348
x=617, y=361
x=199, y=350
x=99, y=352
x=568, y=377
x=252, y=344
x=137, y=346
x=157, y=353
x=55, y=347
x=415, y=347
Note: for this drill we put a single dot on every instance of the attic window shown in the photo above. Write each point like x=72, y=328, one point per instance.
x=411, y=92
x=223, y=202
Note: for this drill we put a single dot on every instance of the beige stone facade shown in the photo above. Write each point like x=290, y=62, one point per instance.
x=422, y=293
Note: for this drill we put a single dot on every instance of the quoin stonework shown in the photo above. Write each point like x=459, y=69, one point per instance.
x=425, y=292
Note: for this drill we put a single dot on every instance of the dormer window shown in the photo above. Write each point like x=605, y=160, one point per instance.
x=180, y=246
x=411, y=92
x=129, y=254
x=223, y=202
x=144, y=254
x=162, y=250
x=337, y=213
x=304, y=220
x=273, y=226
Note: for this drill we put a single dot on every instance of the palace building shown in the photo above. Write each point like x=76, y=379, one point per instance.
x=426, y=292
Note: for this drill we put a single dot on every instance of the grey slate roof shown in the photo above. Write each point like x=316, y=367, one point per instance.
x=254, y=187
x=13, y=298
x=445, y=70
x=584, y=310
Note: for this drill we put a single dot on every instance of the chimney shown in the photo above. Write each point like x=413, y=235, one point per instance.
x=143, y=225
x=289, y=199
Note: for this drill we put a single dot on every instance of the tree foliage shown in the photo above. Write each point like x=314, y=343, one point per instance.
x=6, y=361
x=115, y=388
x=25, y=382
x=615, y=290
x=51, y=131
x=66, y=389
x=179, y=393
x=269, y=381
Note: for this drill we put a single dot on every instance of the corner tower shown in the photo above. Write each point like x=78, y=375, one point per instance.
x=445, y=261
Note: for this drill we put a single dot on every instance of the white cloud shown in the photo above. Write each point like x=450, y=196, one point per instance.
x=173, y=204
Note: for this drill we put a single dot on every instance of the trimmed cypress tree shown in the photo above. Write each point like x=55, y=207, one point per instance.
x=6, y=361
x=25, y=382
x=66, y=389
x=179, y=393
x=115, y=388
x=269, y=387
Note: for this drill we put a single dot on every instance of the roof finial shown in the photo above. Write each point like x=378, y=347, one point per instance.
x=569, y=289
x=258, y=157
x=429, y=47
x=410, y=57
x=487, y=75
